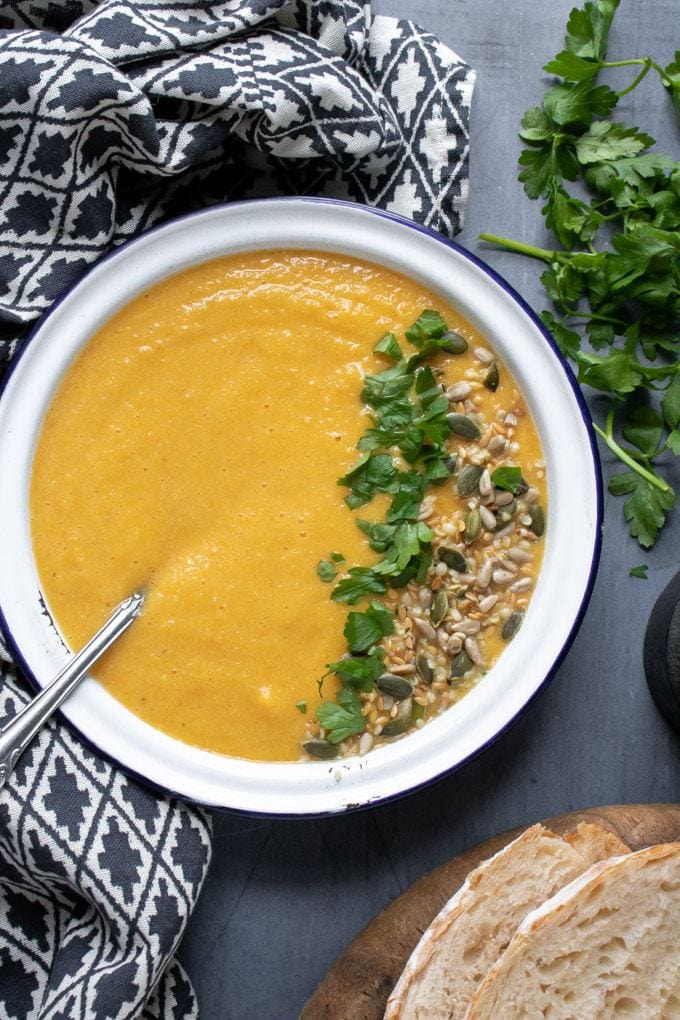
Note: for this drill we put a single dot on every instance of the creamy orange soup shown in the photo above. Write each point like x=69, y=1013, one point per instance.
x=192, y=450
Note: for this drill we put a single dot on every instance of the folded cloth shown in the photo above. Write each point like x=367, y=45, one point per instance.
x=114, y=116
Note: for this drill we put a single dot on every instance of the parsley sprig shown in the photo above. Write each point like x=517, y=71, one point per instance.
x=409, y=426
x=615, y=279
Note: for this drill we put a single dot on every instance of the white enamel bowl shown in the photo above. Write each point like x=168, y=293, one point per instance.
x=572, y=537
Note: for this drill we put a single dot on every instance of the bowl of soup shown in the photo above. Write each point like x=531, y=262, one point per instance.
x=353, y=476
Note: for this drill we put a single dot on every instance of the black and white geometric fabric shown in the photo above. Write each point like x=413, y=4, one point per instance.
x=115, y=116
x=98, y=877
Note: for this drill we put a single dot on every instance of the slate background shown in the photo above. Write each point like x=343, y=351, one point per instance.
x=283, y=898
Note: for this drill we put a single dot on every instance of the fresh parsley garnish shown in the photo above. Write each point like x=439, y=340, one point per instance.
x=640, y=572
x=363, y=630
x=360, y=582
x=614, y=274
x=507, y=478
x=408, y=410
x=301, y=706
x=389, y=345
x=343, y=719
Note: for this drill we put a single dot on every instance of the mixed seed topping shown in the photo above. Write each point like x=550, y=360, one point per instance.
x=458, y=545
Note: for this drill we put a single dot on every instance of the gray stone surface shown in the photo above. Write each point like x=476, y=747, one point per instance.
x=284, y=898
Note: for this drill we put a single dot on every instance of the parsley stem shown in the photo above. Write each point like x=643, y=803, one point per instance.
x=519, y=247
x=619, y=452
x=636, y=81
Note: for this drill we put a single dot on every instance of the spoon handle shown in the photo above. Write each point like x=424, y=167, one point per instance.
x=19, y=731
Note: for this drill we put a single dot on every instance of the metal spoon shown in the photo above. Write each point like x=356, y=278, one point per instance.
x=18, y=733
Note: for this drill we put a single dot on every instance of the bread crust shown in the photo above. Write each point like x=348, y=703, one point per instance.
x=553, y=914
x=589, y=841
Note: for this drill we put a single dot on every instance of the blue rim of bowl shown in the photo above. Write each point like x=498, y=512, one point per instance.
x=18, y=656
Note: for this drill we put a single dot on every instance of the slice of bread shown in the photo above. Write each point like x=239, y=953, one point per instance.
x=476, y=925
x=605, y=946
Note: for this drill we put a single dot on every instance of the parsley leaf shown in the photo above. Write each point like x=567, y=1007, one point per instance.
x=670, y=405
x=578, y=103
x=359, y=672
x=588, y=29
x=389, y=345
x=614, y=273
x=508, y=478
x=370, y=475
x=645, y=508
x=365, y=629
x=344, y=720
x=643, y=428
x=301, y=706
x=360, y=582
x=606, y=140
x=640, y=572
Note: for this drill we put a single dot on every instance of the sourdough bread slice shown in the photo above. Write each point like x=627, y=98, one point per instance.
x=475, y=926
x=605, y=946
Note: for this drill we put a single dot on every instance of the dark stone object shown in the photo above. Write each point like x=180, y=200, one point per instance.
x=662, y=653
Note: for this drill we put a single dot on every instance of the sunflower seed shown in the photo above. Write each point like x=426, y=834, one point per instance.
x=485, y=486
x=522, y=584
x=425, y=628
x=483, y=355
x=484, y=574
x=473, y=651
x=488, y=519
x=500, y=576
x=503, y=498
x=459, y=391
x=486, y=604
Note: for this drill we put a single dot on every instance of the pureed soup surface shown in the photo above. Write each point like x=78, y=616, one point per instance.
x=193, y=449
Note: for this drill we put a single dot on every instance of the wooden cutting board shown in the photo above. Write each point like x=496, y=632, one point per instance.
x=359, y=982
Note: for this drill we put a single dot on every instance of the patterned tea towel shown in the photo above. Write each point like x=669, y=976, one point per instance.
x=114, y=116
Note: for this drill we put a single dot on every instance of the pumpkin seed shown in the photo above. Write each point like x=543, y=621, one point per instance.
x=320, y=749
x=401, y=721
x=452, y=558
x=468, y=479
x=418, y=712
x=505, y=514
x=424, y=669
x=537, y=520
x=439, y=608
x=493, y=377
x=396, y=726
x=463, y=426
x=511, y=626
x=473, y=526
x=460, y=665
x=395, y=686
x=453, y=343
